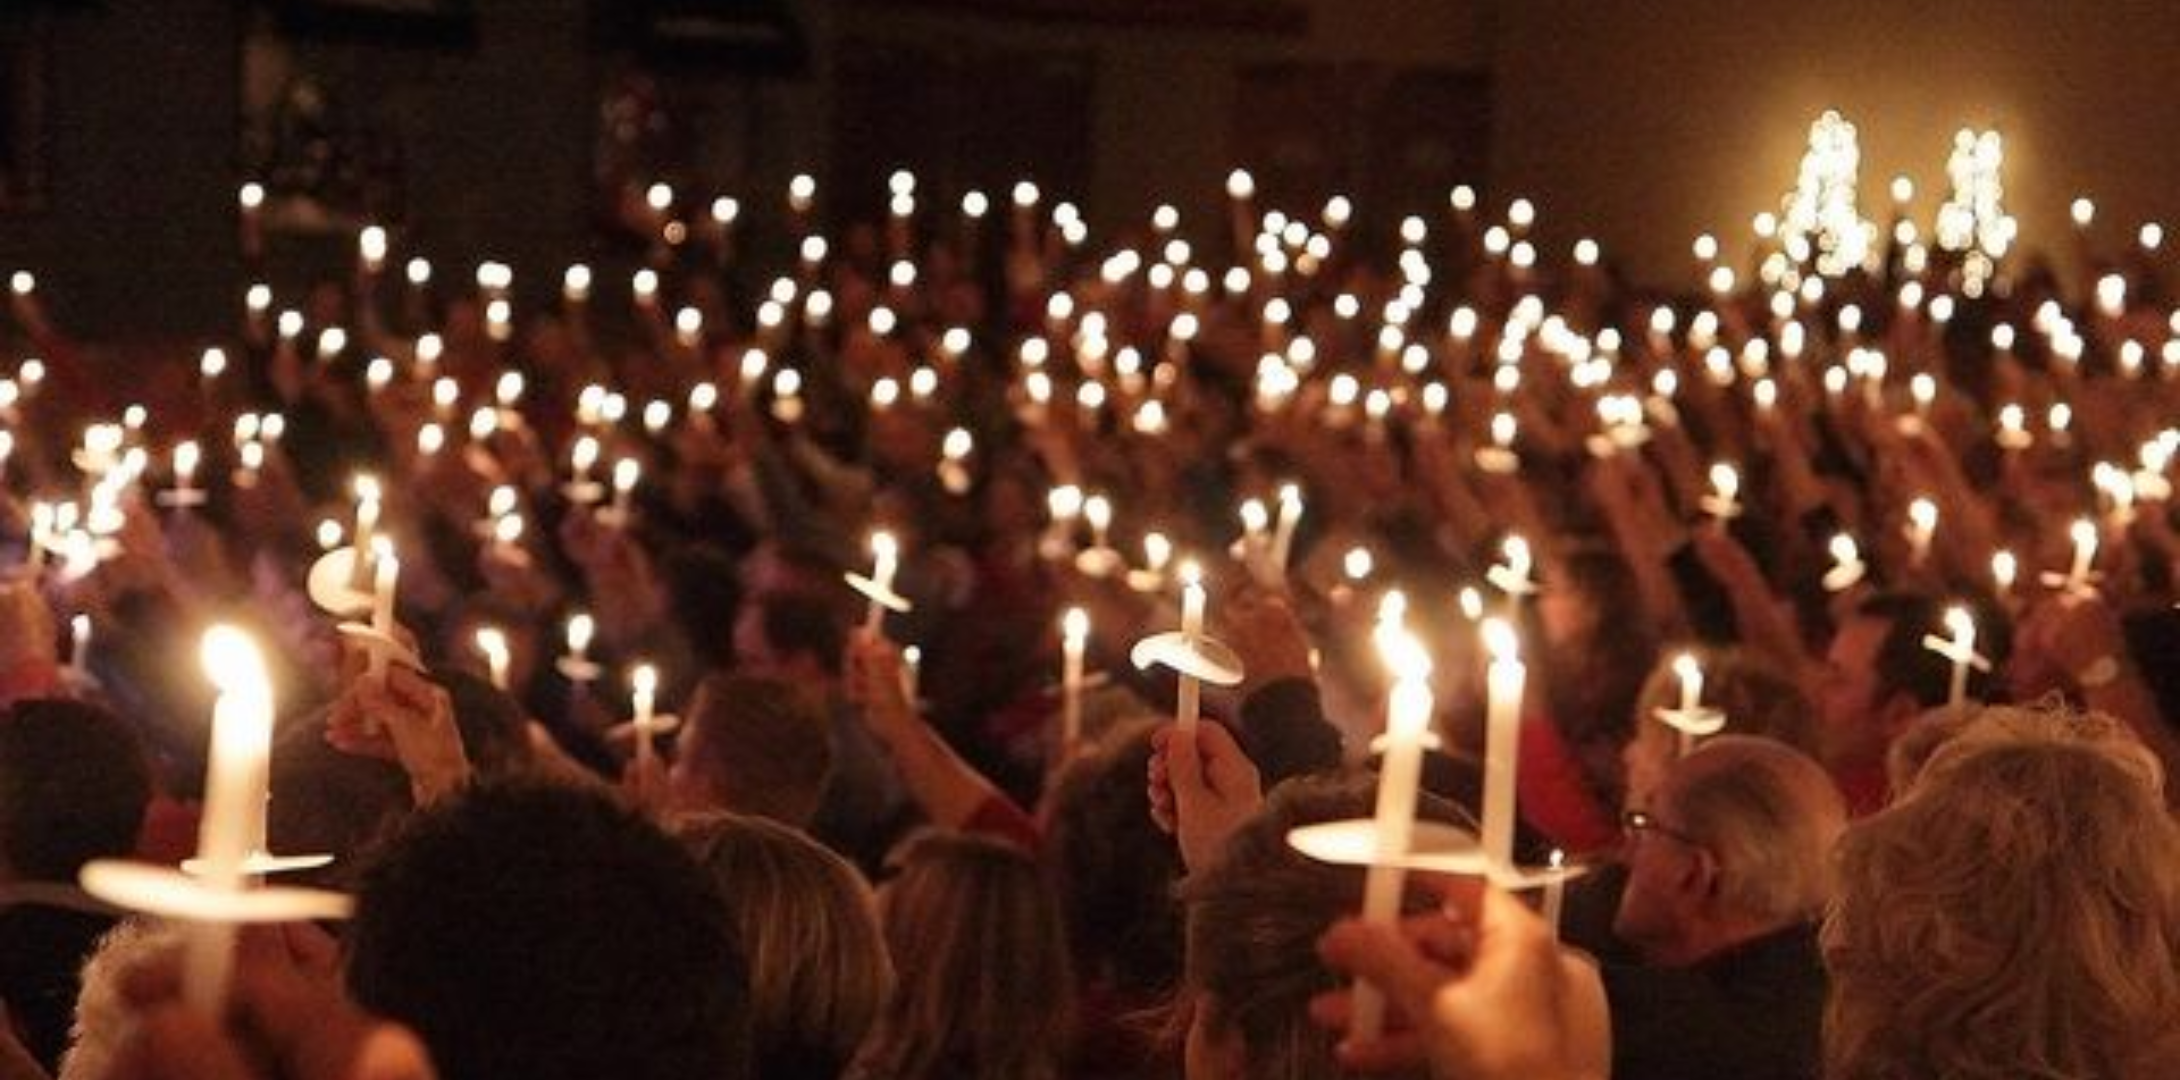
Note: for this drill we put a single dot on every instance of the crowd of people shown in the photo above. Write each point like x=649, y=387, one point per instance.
x=1909, y=534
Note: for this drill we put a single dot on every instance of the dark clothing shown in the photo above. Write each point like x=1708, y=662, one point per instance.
x=42, y=949
x=1754, y=1012
x=1586, y=915
x=1283, y=729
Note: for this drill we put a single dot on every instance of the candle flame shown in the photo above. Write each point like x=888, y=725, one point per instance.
x=233, y=663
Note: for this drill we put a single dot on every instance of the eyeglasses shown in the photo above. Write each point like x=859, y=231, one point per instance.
x=1637, y=822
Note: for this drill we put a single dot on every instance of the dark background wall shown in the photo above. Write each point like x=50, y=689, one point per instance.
x=498, y=134
x=1640, y=124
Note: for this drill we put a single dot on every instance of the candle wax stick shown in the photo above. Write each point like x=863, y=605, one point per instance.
x=1502, y=748
x=1399, y=777
x=382, y=611
x=1075, y=632
x=1187, y=704
x=232, y=824
x=1555, y=892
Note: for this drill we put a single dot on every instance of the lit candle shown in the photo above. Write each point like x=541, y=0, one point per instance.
x=626, y=472
x=885, y=562
x=1074, y=640
x=2084, y=532
x=644, y=688
x=79, y=647
x=232, y=824
x=1290, y=517
x=1555, y=890
x=581, y=628
x=186, y=456
x=1847, y=567
x=1960, y=649
x=1690, y=673
x=1186, y=701
x=1922, y=526
x=1724, y=501
x=911, y=674
x=367, y=512
x=1400, y=772
x=382, y=605
x=1256, y=541
x=2004, y=569
x=1512, y=576
x=371, y=248
x=1502, y=734
x=492, y=642
x=1098, y=511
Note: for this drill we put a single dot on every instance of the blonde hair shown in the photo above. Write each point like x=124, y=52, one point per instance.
x=808, y=930
x=2015, y=914
x=984, y=985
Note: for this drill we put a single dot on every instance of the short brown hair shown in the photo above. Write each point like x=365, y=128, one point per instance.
x=765, y=741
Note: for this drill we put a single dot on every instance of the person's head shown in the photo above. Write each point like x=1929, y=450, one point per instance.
x=2015, y=913
x=1112, y=867
x=755, y=746
x=74, y=782
x=790, y=635
x=807, y=924
x=1734, y=845
x=983, y=989
x=1592, y=670
x=701, y=583
x=1879, y=675
x=1754, y=696
x=529, y=929
x=1254, y=917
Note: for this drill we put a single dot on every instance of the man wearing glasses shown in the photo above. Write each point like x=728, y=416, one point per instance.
x=1728, y=871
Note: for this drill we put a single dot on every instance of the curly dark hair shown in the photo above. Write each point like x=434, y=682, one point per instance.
x=531, y=929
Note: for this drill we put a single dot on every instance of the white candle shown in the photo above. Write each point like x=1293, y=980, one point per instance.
x=1922, y=526
x=1691, y=695
x=1186, y=703
x=626, y=472
x=382, y=604
x=2084, y=532
x=1407, y=721
x=371, y=248
x=1074, y=642
x=492, y=642
x=581, y=628
x=911, y=674
x=79, y=645
x=1725, y=499
x=2004, y=568
x=885, y=562
x=367, y=512
x=1555, y=891
x=232, y=824
x=644, y=688
x=1962, y=652
x=1502, y=734
x=1290, y=517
